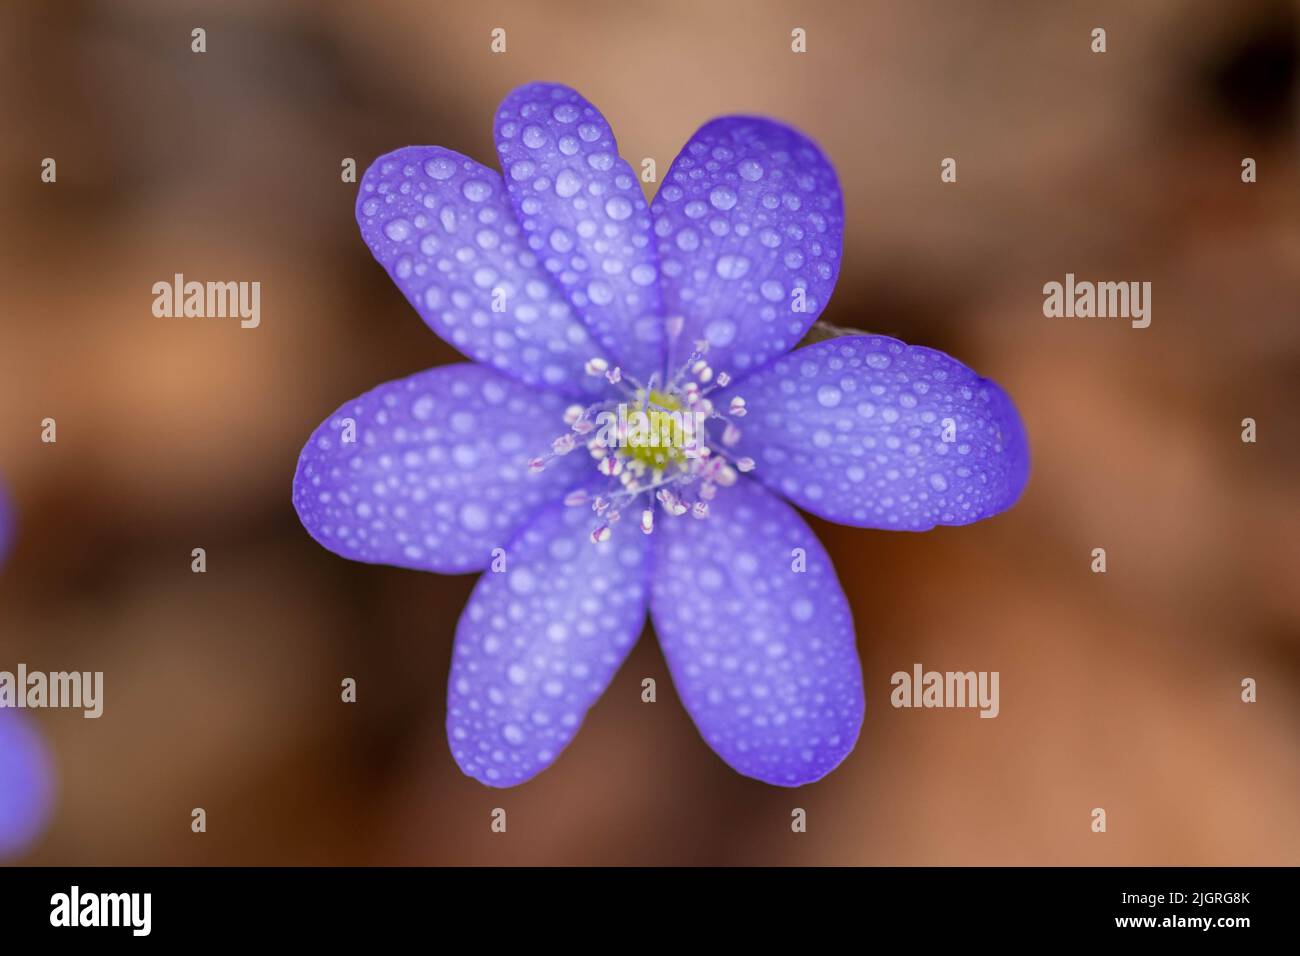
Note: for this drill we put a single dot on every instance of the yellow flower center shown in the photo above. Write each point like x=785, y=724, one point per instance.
x=659, y=432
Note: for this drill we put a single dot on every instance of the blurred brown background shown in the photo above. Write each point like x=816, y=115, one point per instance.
x=222, y=690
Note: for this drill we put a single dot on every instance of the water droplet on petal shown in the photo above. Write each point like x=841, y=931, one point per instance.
x=567, y=183
x=720, y=332
x=828, y=396
x=533, y=137
x=617, y=207
x=722, y=198
x=643, y=274
x=475, y=190
x=440, y=168
x=731, y=267
x=398, y=230
x=513, y=734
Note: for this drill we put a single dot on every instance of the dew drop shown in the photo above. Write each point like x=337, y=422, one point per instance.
x=567, y=183
x=722, y=198
x=731, y=267
x=828, y=396
x=475, y=190
x=398, y=230
x=618, y=207
x=720, y=331
x=513, y=734
x=877, y=360
x=560, y=240
x=440, y=168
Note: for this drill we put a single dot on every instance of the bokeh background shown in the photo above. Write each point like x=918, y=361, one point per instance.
x=222, y=690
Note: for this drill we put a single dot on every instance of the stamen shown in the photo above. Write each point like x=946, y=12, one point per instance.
x=671, y=463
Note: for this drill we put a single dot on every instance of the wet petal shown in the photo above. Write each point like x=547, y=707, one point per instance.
x=441, y=224
x=539, y=643
x=867, y=431
x=26, y=783
x=749, y=223
x=437, y=474
x=762, y=653
x=585, y=216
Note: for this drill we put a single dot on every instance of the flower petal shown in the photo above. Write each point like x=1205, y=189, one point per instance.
x=442, y=225
x=867, y=431
x=539, y=642
x=437, y=474
x=750, y=224
x=585, y=216
x=762, y=654
x=26, y=783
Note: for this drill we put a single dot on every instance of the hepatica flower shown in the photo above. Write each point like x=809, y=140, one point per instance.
x=26, y=778
x=563, y=460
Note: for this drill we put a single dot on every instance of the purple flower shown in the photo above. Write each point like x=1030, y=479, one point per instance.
x=26, y=778
x=600, y=325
